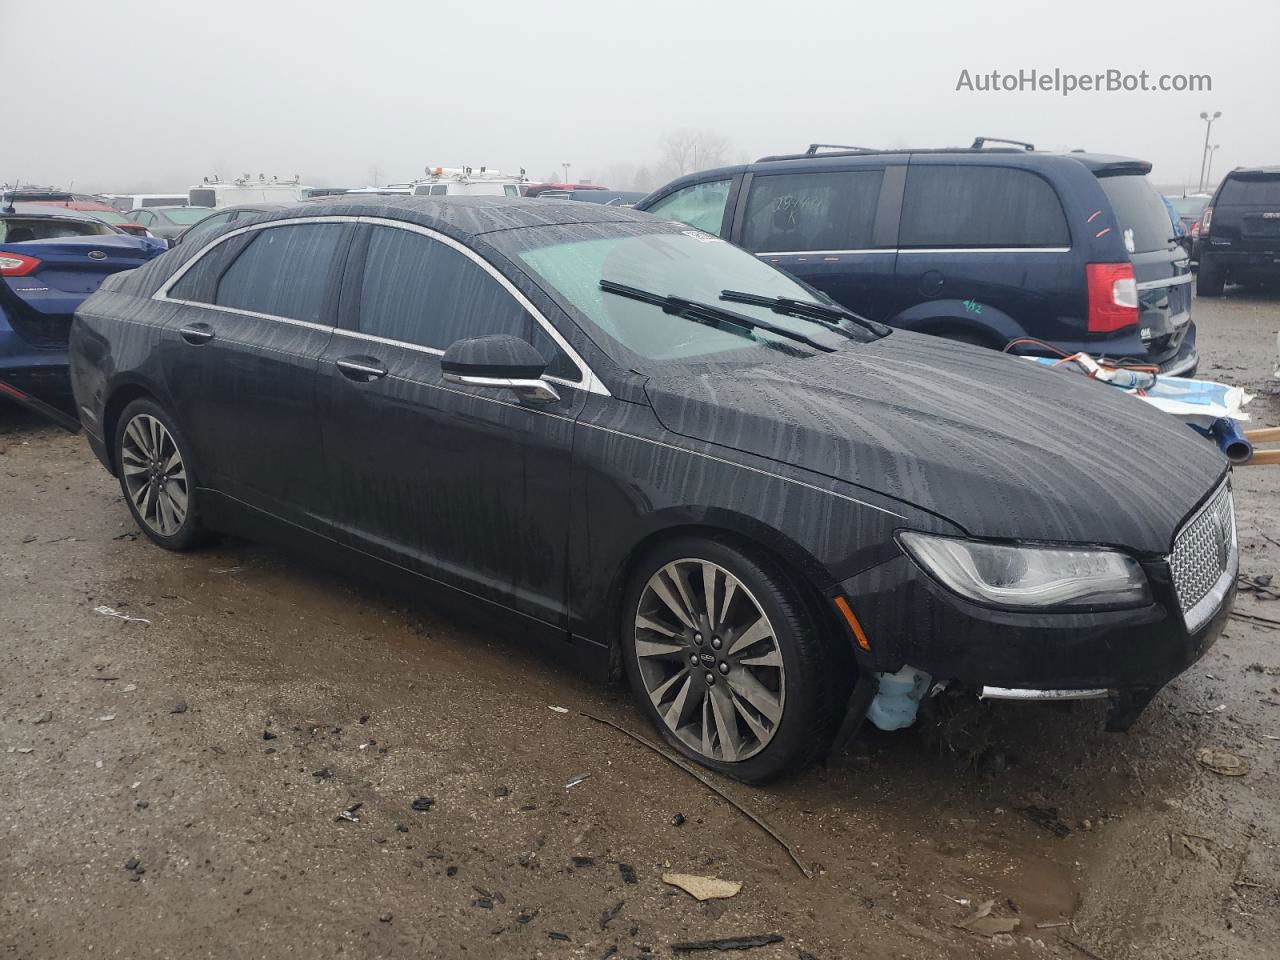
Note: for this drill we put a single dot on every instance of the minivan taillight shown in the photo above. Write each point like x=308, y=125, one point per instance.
x=16, y=265
x=1113, y=297
x=1206, y=218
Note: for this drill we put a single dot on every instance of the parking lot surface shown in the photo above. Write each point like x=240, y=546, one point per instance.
x=235, y=774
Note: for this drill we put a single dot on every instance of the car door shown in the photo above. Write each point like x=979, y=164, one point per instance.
x=826, y=227
x=255, y=313
x=466, y=485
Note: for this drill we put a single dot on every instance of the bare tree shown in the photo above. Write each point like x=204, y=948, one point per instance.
x=686, y=151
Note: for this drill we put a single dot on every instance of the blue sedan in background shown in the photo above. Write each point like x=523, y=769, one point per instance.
x=50, y=261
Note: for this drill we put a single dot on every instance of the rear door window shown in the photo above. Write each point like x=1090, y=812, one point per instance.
x=700, y=205
x=1140, y=212
x=200, y=283
x=1254, y=191
x=981, y=206
x=418, y=290
x=285, y=272
x=811, y=211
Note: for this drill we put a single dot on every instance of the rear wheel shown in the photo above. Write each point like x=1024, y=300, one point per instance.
x=1209, y=279
x=156, y=476
x=726, y=659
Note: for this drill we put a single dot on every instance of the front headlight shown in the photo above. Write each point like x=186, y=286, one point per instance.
x=1030, y=576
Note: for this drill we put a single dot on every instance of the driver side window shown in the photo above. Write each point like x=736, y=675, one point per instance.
x=700, y=205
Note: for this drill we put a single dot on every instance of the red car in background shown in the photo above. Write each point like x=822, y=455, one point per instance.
x=95, y=207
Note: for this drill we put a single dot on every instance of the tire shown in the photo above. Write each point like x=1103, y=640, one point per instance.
x=1209, y=281
x=157, y=476
x=736, y=712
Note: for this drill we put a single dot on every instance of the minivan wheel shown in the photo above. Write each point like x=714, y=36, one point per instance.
x=156, y=476
x=1209, y=281
x=725, y=658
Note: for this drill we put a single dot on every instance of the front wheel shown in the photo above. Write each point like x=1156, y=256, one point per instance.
x=156, y=476
x=727, y=660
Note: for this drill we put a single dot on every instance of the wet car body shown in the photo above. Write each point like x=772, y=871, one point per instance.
x=323, y=435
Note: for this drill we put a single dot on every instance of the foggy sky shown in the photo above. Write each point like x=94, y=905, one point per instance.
x=141, y=94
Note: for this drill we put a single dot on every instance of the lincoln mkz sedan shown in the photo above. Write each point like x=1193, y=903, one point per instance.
x=663, y=455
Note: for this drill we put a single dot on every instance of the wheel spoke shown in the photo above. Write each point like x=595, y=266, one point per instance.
x=730, y=588
x=164, y=515
x=673, y=571
x=663, y=592
x=754, y=633
x=178, y=499
x=676, y=713
x=134, y=433
x=658, y=694
x=770, y=659
x=726, y=723
x=709, y=592
x=648, y=623
x=748, y=716
x=755, y=693
x=131, y=469
x=654, y=648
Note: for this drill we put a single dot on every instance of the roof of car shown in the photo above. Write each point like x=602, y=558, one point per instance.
x=464, y=216
x=1254, y=171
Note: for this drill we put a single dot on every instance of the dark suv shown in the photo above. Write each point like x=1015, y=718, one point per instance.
x=1240, y=230
x=980, y=244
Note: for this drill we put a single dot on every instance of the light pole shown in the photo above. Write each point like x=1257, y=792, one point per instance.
x=1208, y=170
x=1204, y=156
x=566, y=167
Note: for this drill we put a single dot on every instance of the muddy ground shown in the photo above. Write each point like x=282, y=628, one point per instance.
x=173, y=789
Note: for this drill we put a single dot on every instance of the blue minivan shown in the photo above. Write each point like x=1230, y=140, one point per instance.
x=984, y=244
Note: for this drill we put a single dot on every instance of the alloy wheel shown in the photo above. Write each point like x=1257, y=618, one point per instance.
x=709, y=660
x=154, y=475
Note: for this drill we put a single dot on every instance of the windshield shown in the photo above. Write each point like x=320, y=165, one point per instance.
x=186, y=215
x=571, y=261
x=1141, y=213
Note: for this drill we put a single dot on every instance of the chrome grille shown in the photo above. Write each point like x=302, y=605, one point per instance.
x=1204, y=549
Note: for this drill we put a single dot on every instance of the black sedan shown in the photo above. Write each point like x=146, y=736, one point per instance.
x=664, y=455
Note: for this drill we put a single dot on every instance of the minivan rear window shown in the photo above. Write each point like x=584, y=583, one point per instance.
x=980, y=206
x=1263, y=191
x=1140, y=212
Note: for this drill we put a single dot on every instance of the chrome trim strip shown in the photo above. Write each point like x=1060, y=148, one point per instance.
x=590, y=382
x=1167, y=282
x=1017, y=693
x=822, y=253
x=984, y=250
x=394, y=343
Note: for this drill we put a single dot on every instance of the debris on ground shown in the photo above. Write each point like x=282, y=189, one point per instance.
x=1198, y=846
x=558, y=709
x=628, y=872
x=727, y=943
x=43, y=717
x=583, y=861
x=179, y=707
x=554, y=935
x=574, y=781
x=703, y=888
x=385, y=918
x=350, y=813
x=1221, y=762
x=607, y=916
x=678, y=820
x=1259, y=586
x=423, y=804
x=109, y=612
x=984, y=924
x=1046, y=817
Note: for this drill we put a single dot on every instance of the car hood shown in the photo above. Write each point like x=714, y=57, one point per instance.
x=1002, y=447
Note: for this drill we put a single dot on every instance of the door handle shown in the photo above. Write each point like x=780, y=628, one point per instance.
x=197, y=333
x=361, y=369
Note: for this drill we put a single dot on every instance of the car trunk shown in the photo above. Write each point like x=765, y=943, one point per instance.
x=1160, y=266
x=40, y=303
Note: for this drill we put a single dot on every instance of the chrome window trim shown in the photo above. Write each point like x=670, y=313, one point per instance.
x=831, y=253
x=589, y=382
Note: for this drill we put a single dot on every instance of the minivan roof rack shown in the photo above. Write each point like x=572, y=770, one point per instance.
x=815, y=147
x=980, y=142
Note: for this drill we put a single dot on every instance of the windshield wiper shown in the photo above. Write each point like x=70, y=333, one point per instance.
x=711, y=315
x=805, y=309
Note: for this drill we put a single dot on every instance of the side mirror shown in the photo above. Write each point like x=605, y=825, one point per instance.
x=501, y=363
